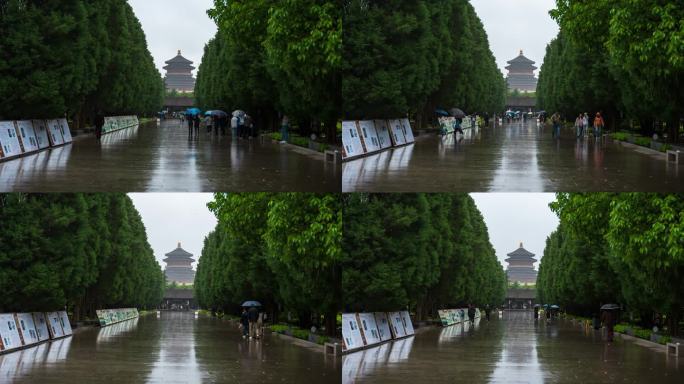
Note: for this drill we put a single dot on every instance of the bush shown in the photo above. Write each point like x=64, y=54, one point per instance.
x=620, y=136
x=279, y=328
x=300, y=334
x=643, y=141
x=621, y=328
x=664, y=340
x=643, y=334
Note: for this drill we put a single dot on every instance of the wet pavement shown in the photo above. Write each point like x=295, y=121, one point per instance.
x=515, y=349
x=175, y=348
x=516, y=157
x=162, y=159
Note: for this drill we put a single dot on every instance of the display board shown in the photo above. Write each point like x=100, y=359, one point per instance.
x=115, y=123
x=351, y=142
x=64, y=129
x=41, y=325
x=369, y=136
x=27, y=328
x=9, y=141
x=27, y=136
x=41, y=131
x=54, y=325
x=396, y=325
x=9, y=333
x=113, y=316
x=351, y=334
x=64, y=321
x=383, y=131
x=383, y=325
x=54, y=133
x=408, y=325
x=369, y=329
x=397, y=133
x=447, y=125
x=408, y=131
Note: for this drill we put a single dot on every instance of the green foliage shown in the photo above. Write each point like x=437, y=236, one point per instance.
x=609, y=248
x=623, y=58
x=280, y=249
x=74, y=57
x=422, y=251
x=643, y=141
x=85, y=252
x=620, y=136
x=413, y=56
x=275, y=57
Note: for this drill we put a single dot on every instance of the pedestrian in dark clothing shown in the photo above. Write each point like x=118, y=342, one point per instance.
x=536, y=313
x=99, y=126
x=608, y=319
x=244, y=321
x=197, y=121
x=252, y=316
x=191, y=123
x=471, y=313
x=487, y=306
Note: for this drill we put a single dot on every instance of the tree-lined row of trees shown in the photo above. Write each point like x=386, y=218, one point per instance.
x=616, y=248
x=85, y=252
x=421, y=251
x=280, y=249
x=623, y=58
x=411, y=57
x=75, y=57
x=275, y=57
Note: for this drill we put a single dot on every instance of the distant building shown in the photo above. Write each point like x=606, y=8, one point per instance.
x=179, y=267
x=179, y=75
x=521, y=266
x=521, y=74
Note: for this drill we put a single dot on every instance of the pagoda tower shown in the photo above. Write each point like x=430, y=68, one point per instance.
x=521, y=74
x=179, y=266
x=179, y=75
x=521, y=266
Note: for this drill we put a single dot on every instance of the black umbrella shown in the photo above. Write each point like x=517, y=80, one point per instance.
x=609, y=307
x=251, y=304
x=457, y=113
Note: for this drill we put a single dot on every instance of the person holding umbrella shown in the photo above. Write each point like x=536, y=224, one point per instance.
x=608, y=319
x=252, y=316
x=244, y=322
x=536, y=312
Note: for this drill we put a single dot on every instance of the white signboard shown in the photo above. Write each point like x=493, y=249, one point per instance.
x=64, y=321
x=397, y=133
x=27, y=328
x=9, y=142
x=408, y=132
x=383, y=131
x=9, y=333
x=370, y=136
x=54, y=133
x=40, y=128
x=397, y=325
x=55, y=325
x=27, y=136
x=351, y=334
x=369, y=329
x=64, y=129
x=351, y=140
x=408, y=325
x=383, y=325
x=41, y=326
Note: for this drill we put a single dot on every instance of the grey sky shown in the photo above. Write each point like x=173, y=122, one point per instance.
x=515, y=217
x=171, y=25
x=173, y=217
x=513, y=25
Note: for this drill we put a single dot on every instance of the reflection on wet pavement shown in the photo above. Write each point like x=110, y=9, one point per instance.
x=514, y=349
x=516, y=157
x=172, y=348
x=151, y=158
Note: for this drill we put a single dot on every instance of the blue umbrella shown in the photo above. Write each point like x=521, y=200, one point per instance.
x=555, y=307
x=251, y=304
x=193, y=111
x=441, y=112
x=217, y=113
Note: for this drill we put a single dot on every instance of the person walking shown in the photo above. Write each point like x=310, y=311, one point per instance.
x=585, y=124
x=487, y=311
x=252, y=316
x=471, y=313
x=285, y=130
x=248, y=126
x=579, y=126
x=244, y=322
x=536, y=312
x=556, y=120
x=608, y=320
x=191, y=123
x=234, y=126
x=197, y=121
x=599, y=123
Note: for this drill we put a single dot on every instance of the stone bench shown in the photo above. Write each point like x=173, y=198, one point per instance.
x=674, y=157
x=673, y=348
x=333, y=157
x=333, y=349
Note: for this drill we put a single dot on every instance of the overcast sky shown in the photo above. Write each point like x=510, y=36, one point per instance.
x=171, y=25
x=515, y=217
x=513, y=25
x=173, y=217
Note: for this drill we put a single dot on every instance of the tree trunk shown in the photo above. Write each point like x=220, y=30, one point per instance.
x=673, y=128
x=331, y=131
x=331, y=323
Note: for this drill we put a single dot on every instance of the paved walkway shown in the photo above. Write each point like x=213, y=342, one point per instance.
x=515, y=349
x=518, y=157
x=175, y=348
x=163, y=159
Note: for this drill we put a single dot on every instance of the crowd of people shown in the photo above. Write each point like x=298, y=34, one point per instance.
x=252, y=323
x=582, y=124
x=242, y=125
